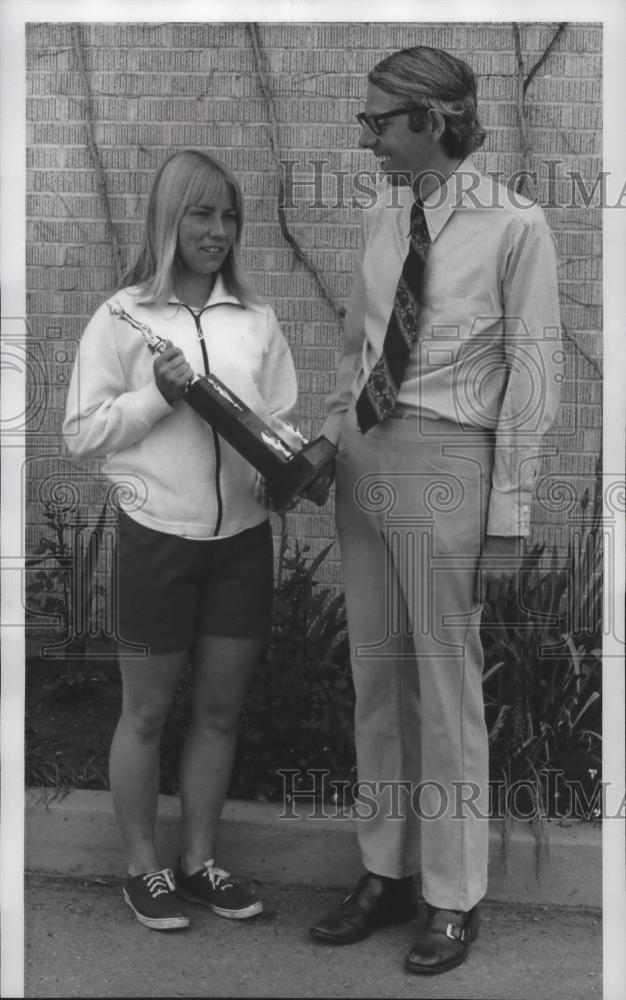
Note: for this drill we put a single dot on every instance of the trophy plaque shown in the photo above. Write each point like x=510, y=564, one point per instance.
x=287, y=473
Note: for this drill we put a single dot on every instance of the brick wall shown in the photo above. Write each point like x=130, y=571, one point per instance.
x=157, y=87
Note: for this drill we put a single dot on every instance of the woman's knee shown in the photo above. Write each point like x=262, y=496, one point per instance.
x=222, y=719
x=144, y=721
x=149, y=689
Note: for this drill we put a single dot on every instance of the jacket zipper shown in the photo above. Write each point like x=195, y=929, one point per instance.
x=216, y=440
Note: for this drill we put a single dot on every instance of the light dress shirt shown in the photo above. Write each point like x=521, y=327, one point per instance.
x=488, y=350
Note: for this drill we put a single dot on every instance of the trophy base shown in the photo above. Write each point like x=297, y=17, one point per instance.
x=294, y=477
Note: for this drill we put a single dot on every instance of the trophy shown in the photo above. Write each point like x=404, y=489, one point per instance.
x=287, y=473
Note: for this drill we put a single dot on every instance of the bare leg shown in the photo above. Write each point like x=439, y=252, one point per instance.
x=222, y=670
x=148, y=690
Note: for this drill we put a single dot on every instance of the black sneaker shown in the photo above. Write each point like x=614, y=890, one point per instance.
x=152, y=898
x=213, y=887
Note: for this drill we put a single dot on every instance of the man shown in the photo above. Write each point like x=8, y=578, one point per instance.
x=448, y=381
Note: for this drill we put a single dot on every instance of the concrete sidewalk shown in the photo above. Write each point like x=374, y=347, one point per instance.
x=539, y=938
x=77, y=835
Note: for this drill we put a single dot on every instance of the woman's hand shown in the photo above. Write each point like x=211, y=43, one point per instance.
x=172, y=373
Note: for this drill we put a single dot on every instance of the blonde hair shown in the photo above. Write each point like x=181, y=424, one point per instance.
x=186, y=177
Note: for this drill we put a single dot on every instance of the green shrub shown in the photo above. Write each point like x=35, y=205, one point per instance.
x=542, y=680
x=62, y=587
x=542, y=677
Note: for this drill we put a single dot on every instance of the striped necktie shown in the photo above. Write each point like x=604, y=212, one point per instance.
x=378, y=396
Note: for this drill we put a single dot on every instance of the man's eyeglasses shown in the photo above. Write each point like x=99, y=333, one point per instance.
x=372, y=121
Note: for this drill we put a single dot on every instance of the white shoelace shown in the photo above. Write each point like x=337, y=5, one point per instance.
x=160, y=883
x=216, y=876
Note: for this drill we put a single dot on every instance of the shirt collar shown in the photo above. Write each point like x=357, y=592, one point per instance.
x=219, y=296
x=464, y=189
x=453, y=195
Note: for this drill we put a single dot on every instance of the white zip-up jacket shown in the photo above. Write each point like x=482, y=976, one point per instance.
x=172, y=472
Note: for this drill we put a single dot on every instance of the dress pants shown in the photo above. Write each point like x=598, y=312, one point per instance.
x=411, y=501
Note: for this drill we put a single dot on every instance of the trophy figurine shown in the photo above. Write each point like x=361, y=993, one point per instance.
x=287, y=473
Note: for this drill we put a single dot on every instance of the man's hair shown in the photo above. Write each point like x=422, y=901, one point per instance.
x=186, y=177
x=432, y=78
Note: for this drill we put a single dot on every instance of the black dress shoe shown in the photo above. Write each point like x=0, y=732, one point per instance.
x=375, y=901
x=443, y=942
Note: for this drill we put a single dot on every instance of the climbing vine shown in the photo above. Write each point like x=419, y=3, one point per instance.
x=94, y=152
x=524, y=80
x=263, y=77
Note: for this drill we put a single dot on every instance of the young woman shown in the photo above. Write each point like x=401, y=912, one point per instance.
x=194, y=547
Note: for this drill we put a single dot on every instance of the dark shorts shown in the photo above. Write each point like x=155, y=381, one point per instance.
x=171, y=589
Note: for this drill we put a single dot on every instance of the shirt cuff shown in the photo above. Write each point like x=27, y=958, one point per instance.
x=509, y=514
x=331, y=428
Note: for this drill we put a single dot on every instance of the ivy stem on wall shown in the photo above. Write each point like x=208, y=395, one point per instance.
x=95, y=153
x=263, y=77
x=523, y=82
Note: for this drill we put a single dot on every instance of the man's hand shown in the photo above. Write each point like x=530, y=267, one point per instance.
x=499, y=562
x=263, y=496
x=172, y=373
x=318, y=490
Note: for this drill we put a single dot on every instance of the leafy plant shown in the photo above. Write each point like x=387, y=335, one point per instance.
x=41, y=772
x=541, y=682
x=62, y=588
x=542, y=641
x=50, y=584
x=64, y=584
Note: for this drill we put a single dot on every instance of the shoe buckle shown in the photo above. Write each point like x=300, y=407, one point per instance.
x=456, y=933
